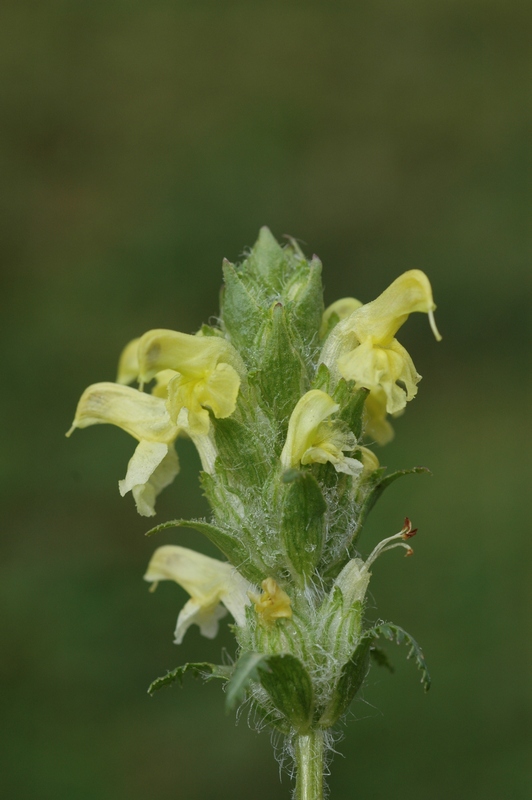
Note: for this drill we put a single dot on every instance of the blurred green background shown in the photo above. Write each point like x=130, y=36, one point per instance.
x=141, y=143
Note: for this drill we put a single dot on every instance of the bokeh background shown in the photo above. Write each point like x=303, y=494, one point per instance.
x=141, y=143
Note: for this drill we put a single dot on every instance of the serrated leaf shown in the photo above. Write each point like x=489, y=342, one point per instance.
x=290, y=688
x=232, y=549
x=395, y=633
x=303, y=524
x=202, y=669
x=245, y=671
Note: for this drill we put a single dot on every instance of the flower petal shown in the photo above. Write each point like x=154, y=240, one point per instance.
x=383, y=317
x=193, y=613
x=207, y=580
x=314, y=407
x=374, y=367
x=152, y=467
x=220, y=391
x=376, y=425
x=192, y=356
x=128, y=363
x=142, y=415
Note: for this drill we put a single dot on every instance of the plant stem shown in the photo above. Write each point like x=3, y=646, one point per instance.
x=309, y=766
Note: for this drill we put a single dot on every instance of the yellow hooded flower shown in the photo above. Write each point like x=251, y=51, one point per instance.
x=154, y=464
x=209, y=582
x=362, y=347
x=206, y=375
x=312, y=437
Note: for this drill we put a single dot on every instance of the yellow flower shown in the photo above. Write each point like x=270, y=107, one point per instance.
x=312, y=437
x=206, y=375
x=209, y=582
x=362, y=347
x=154, y=464
x=273, y=603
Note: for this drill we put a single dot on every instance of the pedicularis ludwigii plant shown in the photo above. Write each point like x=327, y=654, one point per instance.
x=281, y=399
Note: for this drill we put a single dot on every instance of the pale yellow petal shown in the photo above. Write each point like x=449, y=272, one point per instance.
x=193, y=613
x=145, y=493
x=162, y=379
x=128, y=364
x=377, y=426
x=207, y=580
x=314, y=407
x=383, y=317
x=342, y=308
x=369, y=459
x=374, y=367
x=220, y=390
x=193, y=356
x=142, y=415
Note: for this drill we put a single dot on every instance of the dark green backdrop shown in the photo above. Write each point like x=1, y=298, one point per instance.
x=141, y=143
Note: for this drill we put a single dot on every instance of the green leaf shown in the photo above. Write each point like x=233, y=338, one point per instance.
x=394, y=633
x=350, y=680
x=267, y=260
x=306, y=306
x=241, y=454
x=241, y=314
x=303, y=524
x=322, y=378
x=290, y=688
x=199, y=670
x=352, y=408
x=283, y=378
x=229, y=545
x=245, y=671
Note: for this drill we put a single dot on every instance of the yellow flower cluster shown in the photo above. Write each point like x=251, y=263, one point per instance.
x=195, y=376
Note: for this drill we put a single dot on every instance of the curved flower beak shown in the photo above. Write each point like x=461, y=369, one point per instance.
x=210, y=583
x=313, y=438
x=382, y=318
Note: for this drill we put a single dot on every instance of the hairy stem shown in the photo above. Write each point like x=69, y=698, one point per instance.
x=309, y=754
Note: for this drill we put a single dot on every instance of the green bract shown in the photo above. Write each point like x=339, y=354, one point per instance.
x=281, y=400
